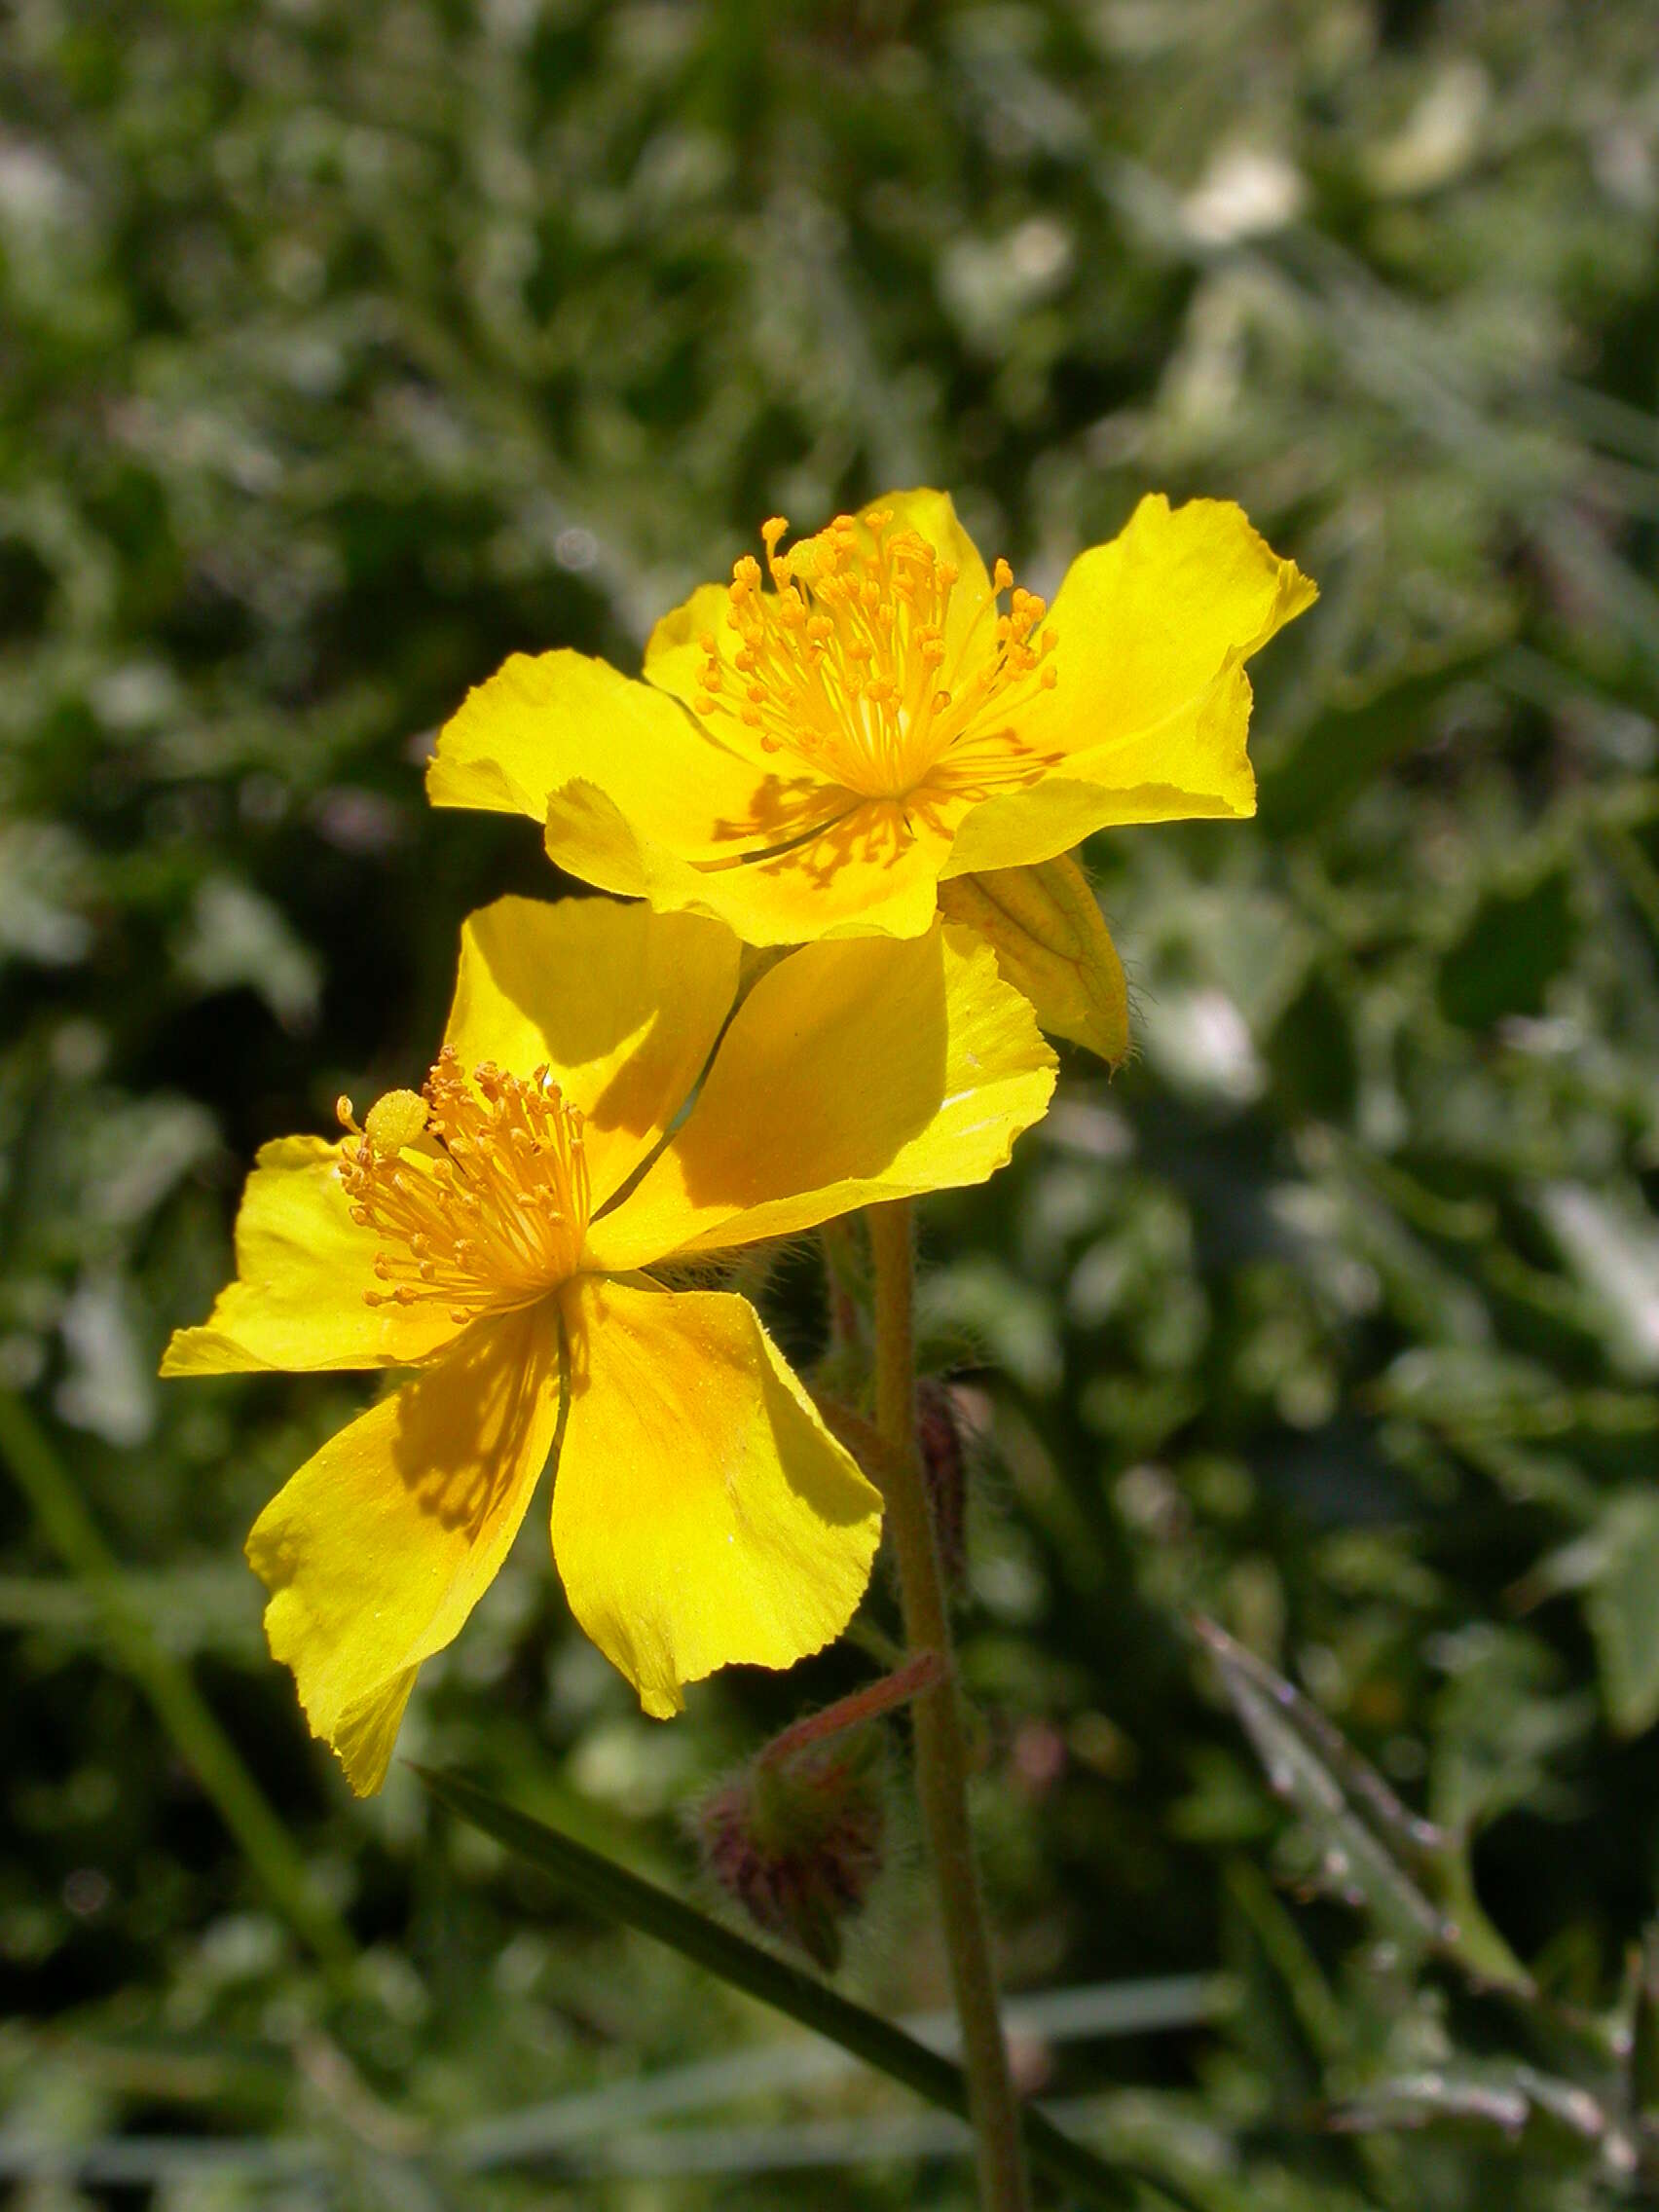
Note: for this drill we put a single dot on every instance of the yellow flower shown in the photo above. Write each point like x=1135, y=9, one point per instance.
x=488, y=1233
x=815, y=759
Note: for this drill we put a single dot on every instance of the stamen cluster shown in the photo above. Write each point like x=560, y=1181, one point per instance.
x=843, y=663
x=479, y=1190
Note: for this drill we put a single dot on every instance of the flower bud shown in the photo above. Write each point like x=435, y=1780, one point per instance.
x=797, y=1841
x=796, y=1837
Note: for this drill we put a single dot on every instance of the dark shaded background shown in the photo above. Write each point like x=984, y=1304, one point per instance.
x=345, y=348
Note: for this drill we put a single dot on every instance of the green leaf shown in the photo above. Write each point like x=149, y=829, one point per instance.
x=1366, y=1847
x=1501, y=1729
x=1515, y=942
x=1552, y=2119
x=1357, y=736
x=608, y=1890
x=1307, y=1759
x=1622, y=1608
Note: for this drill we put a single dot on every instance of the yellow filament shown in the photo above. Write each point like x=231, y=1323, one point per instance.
x=842, y=663
x=478, y=1191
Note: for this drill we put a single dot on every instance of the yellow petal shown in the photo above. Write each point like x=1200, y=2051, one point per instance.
x=1045, y=928
x=303, y=1264
x=702, y=1514
x=541, y=722
x=792, y=855
x=380, y=1547
x=854, y=1072
x=621, y=1005
x=1151, y=706
x=872, y=871
x=674, y=658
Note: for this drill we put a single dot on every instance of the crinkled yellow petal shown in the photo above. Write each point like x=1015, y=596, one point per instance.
x=872, y=871
x=674, y=658
x=1144, y=627
x=1018, y=828
x=303, y=1264
x=621, y=1004
x=543, y=722
x=1151, y=706
x=1052, y=942
x=854, y=1072
x=702, y=1514
x=379, y=1548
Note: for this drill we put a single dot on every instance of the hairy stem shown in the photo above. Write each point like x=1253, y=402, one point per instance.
x=942, y=1759
x=841, y=1270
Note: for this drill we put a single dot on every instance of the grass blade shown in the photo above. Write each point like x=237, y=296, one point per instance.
x=613, y=1893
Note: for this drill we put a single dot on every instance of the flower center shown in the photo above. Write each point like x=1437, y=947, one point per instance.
x=478, y=1191
x=843, y=663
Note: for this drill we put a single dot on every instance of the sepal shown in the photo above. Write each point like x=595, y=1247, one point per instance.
x=1044, y=925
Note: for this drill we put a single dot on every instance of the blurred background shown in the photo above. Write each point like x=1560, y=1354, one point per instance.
x=347, y=344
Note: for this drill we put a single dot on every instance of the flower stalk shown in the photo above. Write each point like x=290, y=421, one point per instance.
x=847, y=1345
x=940, y=1748
x=905, y=1681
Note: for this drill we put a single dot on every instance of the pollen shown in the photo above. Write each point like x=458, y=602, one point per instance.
x=476, y=1189
x=859, y=664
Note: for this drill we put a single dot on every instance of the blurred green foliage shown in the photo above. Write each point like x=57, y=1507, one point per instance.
x=345, y=348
